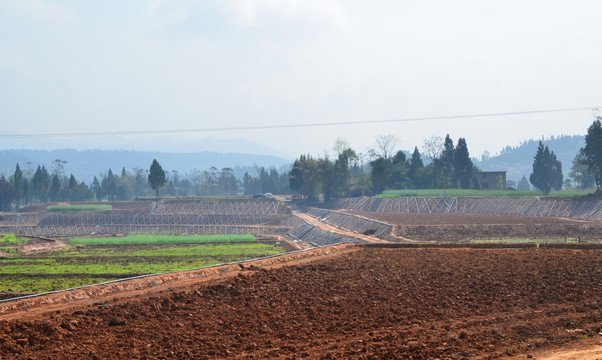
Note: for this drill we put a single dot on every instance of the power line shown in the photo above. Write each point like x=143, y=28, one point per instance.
x=285, y=126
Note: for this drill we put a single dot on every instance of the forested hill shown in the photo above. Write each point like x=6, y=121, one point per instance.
x=518, y=161
x=86, y=164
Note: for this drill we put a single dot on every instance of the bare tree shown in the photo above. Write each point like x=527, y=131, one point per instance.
x=385, y=146
x=340, y=145
x=59, y=166
x=433, y=147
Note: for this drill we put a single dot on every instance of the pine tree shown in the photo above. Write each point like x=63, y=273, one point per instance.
x=463, y=168
x=523, y=184
x=109, y=185
x=416, y=169
x=592, y=152
x=156, y=178
x=55, y=188
x=17, y=182
x=40, y=183
x=7, y=193
x=547, y=170
x=447, y=162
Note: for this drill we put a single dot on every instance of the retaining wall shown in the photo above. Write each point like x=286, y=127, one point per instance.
x=302, y=230
x=176, y=217
x=576, y=208
x=87, y=230
x=351, y=222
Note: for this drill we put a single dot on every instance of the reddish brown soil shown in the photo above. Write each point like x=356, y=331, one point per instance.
x=461, y=227
x=465, y=219
x=372, y=303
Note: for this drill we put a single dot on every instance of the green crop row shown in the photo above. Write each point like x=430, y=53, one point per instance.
x=83, y=265
x=155, y=251
x=160, y=239
x=18, y=285
x=80, y=207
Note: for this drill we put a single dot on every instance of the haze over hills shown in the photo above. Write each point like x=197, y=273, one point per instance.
x=518, y=161
x=85, y=164
x=162, y=143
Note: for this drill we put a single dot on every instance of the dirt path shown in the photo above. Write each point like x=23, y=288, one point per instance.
x=587, y=349
x=595, y=353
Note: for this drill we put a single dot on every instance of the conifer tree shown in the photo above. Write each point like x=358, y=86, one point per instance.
x=463, y=168
x=547, y=170
x=156, y=178
x=592, y=152
x=416, y=169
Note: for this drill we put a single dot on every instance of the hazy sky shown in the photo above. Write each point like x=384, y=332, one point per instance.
x=83, y=66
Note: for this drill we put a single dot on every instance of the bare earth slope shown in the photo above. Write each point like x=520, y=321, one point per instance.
x=370, y=303
x=460, y=227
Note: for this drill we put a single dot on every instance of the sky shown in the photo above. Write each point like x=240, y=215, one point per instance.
x=111, y=66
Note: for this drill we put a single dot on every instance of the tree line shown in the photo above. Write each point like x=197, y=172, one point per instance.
x=586, y=167
x=449, y=166
x=29, y=188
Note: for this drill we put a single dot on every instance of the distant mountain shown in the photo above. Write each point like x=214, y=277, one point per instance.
x=86, y=164
x=163, y=143
x=518, y=161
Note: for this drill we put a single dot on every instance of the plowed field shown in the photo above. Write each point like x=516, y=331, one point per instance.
x=461, y=227
x=464, y=219
x=369, y=303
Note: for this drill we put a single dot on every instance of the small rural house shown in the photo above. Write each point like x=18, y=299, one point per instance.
x=492, y=180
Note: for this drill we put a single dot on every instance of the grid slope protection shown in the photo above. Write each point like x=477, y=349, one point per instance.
x=575, y=208
x=188, y=217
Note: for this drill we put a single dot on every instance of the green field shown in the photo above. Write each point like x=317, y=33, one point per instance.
x=160, y=239
x=12, y=239
x=80, y=207
x=470, y=192
x=84, y=265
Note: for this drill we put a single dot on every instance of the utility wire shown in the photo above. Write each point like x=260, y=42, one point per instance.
x=285, y=126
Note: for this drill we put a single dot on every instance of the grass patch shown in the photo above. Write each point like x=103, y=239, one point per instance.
x=80, y=207
x=160, y=239
x=454, y=193
x=471, y=192
x=9, y=250
x=572, y=192
x=12, y=239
